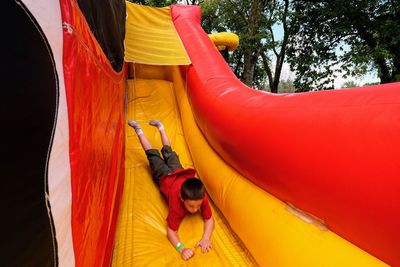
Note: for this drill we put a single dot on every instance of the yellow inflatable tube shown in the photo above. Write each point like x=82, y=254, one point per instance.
x=273, y=234
x=225, y=40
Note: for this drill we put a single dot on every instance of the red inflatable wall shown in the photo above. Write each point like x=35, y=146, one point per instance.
x=95, y=98
x=334, y=154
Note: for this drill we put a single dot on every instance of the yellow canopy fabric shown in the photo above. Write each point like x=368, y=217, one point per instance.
x=151, y=37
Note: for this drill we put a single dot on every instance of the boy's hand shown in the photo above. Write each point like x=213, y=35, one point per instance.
x=205, y=245
x=186, y=253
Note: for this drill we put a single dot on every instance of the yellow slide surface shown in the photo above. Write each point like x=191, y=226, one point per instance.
x=141, y=234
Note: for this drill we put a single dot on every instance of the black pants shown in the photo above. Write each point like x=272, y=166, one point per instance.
x=161, y=166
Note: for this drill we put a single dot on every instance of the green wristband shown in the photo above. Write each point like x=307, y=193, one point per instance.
x=179, y=246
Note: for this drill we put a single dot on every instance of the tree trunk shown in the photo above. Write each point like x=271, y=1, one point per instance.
x=225, y=55
x=383, y=70
x=251, y=55
x=250, y=60
x=281, y=56
x=274, y=87
x=396, y=67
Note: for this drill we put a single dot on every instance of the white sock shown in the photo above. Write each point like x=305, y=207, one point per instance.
x=135, y=126
x=157, y=124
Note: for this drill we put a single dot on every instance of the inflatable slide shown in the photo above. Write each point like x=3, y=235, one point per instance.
x=288, y=215
x=308, y=179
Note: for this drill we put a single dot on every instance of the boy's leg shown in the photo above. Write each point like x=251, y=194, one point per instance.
x=164, y=137
x=170, y=157
x=157, y=164
x=142, y=138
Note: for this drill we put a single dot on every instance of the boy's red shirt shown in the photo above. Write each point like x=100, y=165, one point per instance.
x=170, y=186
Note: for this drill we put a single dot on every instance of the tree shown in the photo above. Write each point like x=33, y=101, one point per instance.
x=154, y=3
x=252, y=20
x=371, y=83
x=365, y=32
x=191, y=2
x=285, y=86
x=163, y=3
x=349, y=84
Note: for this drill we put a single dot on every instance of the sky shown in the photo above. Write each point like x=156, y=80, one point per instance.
x=339, y=81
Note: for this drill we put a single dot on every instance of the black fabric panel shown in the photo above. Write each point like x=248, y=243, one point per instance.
x=107, y=21
x=28, y=102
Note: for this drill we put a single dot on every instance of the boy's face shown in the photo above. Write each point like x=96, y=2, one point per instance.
x=192, y=206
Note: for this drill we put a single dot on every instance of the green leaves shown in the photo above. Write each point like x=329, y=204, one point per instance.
x=369, y=28
x=252, y=20
x=154, y=3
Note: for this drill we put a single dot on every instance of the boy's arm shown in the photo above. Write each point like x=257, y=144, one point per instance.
x=186, y=253
x=208, y=228
x=173, y=237
x=205, y=242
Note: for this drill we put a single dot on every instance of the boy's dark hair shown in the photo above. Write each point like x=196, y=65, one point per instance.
x=192, y=189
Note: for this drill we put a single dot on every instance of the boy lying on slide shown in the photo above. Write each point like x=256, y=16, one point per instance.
x=184, y=193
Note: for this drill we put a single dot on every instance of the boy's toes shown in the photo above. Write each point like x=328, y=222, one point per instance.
x=133, y=124
x=155, y=123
